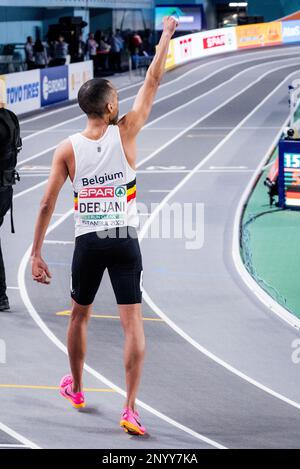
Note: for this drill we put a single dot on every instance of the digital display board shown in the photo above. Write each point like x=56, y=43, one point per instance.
x=289, y=174
x=190, y=17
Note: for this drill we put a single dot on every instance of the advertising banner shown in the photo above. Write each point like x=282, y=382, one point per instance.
x=290, y=31
x=259, y=35
x=217, y=41
x=171, y=56
x=2, y=90
x=187, y=48
x=54, y=85
x=22, y=91
x=79, y=73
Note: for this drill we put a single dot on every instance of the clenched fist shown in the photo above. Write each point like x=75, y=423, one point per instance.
x=170, y=24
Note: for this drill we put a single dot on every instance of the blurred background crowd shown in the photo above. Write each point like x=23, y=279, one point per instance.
x=110, y=51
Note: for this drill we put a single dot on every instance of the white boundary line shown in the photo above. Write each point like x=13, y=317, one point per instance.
x=172, y=111
x=18, y=437
x=255, y=288
x=187, y=129
x=35, y=316
x=163, y=98
x=156, y=308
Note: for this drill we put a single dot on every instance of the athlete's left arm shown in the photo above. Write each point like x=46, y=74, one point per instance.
x=57, y=178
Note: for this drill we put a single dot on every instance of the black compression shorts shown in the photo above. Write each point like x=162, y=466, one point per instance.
x=117, y=250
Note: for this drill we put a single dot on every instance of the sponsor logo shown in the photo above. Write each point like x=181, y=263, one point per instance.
x=214, y=41
x=54, y=84
x=264, y=34
x=18, y=94
x=120, y=191
x=186, y=47
x=96, y=192
x=291, y=31
x=294, y=31
x=102, y=179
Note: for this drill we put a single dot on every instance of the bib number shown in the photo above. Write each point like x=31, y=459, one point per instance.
x=103, y=206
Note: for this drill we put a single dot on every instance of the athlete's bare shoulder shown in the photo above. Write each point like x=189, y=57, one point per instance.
x=64, y=156
x=65, y=148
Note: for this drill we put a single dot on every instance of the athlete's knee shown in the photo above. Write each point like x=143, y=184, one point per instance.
x=80, y=313
x=131, y=315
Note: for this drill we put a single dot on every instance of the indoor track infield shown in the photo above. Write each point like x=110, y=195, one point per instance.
x=218, y=370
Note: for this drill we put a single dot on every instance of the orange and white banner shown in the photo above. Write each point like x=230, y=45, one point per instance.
x=259, y=35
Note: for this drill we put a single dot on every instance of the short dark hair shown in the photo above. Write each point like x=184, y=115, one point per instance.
x=94, y=95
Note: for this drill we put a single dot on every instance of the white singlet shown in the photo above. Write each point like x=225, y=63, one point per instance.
x=104, y=184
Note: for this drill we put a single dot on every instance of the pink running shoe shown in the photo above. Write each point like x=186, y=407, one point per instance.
x=76, y=398
x=130, y=421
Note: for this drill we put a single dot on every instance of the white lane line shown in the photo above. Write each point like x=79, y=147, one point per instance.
x=32, y=188
x=215, y=128
x=67, y=107
x=185, y=171
x=163, y=98
x=153, y=154
x=54, y=131
x=228, y=167
x=170, y=82
x=38, y=320
x=212, y=74
x=231, y=171
x=255, y=288
x=54, y=241
x=222, y=104
x=12, y=288
x=159, y=190
x=13, y=446
x=172, y=111
x=41, y=153
x=18, y=437
x=156, y=308
x=162, y=171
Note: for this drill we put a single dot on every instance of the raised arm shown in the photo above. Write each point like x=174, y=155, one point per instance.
x=58, y=176
x=135, y=119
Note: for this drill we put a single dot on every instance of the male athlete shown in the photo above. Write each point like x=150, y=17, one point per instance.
x=100, y=163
